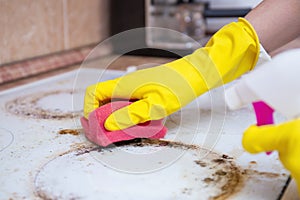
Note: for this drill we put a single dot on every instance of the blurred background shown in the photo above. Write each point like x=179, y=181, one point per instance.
x=41, y=36
x=34, y=28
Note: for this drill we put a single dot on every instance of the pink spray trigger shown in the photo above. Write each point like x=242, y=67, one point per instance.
x=264, y=114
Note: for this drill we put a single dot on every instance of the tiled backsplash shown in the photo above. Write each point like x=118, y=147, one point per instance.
x=35, y=28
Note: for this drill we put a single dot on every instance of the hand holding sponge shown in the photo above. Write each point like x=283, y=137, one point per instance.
x=95, y=131
x=162, y=90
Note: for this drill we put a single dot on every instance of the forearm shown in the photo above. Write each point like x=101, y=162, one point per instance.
x=276, y=22
x=291, y=45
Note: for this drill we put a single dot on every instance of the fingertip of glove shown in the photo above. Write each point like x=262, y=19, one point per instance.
x=111, y=125
x=248, y=140
x=246, y=143
x=86, y=115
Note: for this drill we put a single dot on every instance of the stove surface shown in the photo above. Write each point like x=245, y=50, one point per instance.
x=200, y=158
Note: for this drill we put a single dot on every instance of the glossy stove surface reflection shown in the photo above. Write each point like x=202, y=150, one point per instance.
x=200, y=158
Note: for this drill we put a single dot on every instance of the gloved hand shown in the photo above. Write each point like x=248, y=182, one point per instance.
x=285, y=138
x=162, y=90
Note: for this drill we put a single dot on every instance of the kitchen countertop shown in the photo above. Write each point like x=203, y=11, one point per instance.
x=119, y=64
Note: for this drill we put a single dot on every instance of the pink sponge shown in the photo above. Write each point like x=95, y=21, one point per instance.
x=95, y=131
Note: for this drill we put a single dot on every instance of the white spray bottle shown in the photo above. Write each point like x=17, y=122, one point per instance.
x=276, y=82
x=275, y=85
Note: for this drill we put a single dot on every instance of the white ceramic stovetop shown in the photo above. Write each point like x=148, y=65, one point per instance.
x=208, y=163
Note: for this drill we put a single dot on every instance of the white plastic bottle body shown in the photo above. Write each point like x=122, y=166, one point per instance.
x=276, y=82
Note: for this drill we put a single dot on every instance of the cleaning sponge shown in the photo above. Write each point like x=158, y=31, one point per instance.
x=95, y=131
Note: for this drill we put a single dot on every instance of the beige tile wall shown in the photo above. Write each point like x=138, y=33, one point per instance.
x=31, y=28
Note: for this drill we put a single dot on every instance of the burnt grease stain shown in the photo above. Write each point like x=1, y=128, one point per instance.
x=201, y=163
x=229, y=172
x=225, y=173
x=27, y=106
x=219, y=160
x=142, y=142
x=226, y=156
x=68, y=131
x=251, y=172
x=208, y=180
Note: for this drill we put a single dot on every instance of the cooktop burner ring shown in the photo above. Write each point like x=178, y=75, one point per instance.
x=28, y=106
x=216, y=172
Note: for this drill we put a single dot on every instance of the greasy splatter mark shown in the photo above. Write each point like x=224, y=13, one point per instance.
x=253, y=162
x=201, y=163
x=223, y=174
x=69, y=131
x=27, y=106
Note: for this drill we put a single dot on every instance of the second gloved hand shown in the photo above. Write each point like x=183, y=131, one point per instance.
x=162, y=90
x=285, y=138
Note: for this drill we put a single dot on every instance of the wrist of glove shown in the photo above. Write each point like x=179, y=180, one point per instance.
x=162, y=90
x=284, y=138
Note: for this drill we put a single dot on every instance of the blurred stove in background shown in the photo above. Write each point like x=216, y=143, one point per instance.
x=181, y=26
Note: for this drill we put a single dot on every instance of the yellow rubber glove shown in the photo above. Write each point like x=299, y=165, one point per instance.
x=162, y=90
x=285, y=138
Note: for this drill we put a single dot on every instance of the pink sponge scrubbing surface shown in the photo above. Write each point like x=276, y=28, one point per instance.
x=95, y=131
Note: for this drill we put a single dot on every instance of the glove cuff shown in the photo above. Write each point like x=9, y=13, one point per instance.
x=263, y=56
x=252, y=33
